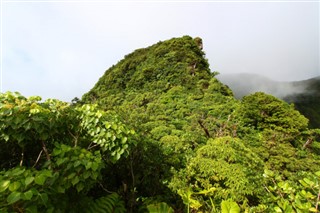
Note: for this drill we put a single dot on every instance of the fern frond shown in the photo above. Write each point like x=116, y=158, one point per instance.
x=108, y=204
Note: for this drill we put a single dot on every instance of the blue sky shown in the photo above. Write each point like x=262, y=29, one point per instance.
x=60, y=49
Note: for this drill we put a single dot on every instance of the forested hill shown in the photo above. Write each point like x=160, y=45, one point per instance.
x=158, y=68
x=197, y=146
x=158, y=133
x=308, y=101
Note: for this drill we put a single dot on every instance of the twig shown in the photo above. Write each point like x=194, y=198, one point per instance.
x=308, y=143
x=318, y=199
x=45, y=150
x=90, y=147
x=204, y=128
x=133, y=191
x=74, y=137
x=104, y=189
x=37, y=159
x=22, y=156
x=267, y=188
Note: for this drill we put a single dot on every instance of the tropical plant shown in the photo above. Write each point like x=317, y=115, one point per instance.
x=56, y=151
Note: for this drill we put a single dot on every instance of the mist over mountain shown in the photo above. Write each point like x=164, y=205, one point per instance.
x=308, y=102
x=305, y=94
x=245, y=83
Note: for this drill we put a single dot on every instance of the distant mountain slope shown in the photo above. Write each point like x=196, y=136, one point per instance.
x=304, y=94
x=308, y=102
x=245, y=83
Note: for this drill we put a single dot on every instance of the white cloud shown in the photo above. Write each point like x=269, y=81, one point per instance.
x=60, y=50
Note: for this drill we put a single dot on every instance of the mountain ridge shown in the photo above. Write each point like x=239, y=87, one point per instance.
x=174, y=62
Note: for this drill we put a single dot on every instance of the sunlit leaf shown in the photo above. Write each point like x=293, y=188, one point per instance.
x=229, y=207
x=13, y=197
x=28, y=180
x=4, y=184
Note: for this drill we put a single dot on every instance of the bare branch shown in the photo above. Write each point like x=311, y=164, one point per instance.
x=104, y=189
x=204, y=128
x=90, y=147
x=37, y=159
x=307, y=143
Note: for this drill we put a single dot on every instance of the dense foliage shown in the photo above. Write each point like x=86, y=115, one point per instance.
x=53, y=154
x=158, y=133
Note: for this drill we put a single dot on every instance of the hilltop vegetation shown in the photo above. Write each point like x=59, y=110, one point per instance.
x=158, y=131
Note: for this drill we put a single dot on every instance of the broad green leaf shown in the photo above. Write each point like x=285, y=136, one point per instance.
x=229, y=207
x=309, y=182
x=14, y=186
x=6, y=137
x=40, y=179
x=94, y=166
x=86, y=174
x=56, y=152
x=28, y=180
x=79, y=187
x=4, y=184
x=94, y=176
x=61, y=161
x=114, y=126
x=32, y=209
x=47, y=173
x=88, y=165
x=277, y=209
x=313, y=209
x=17, y=171
x=288, y=209
x=28, y=195
x=13, y=197
x=75, y=180
x=44, y=197
x=118, y=156
x=71, y=175
x=124, y=139
x=107, y=125
x=61, y=189
x=108, y=135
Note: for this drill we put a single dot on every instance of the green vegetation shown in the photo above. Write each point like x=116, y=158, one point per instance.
x=158, y=133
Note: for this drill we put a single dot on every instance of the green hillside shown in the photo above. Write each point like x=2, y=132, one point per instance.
x=308, y=102
x=158, y=133
x=156, y=69
x=183, y=115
